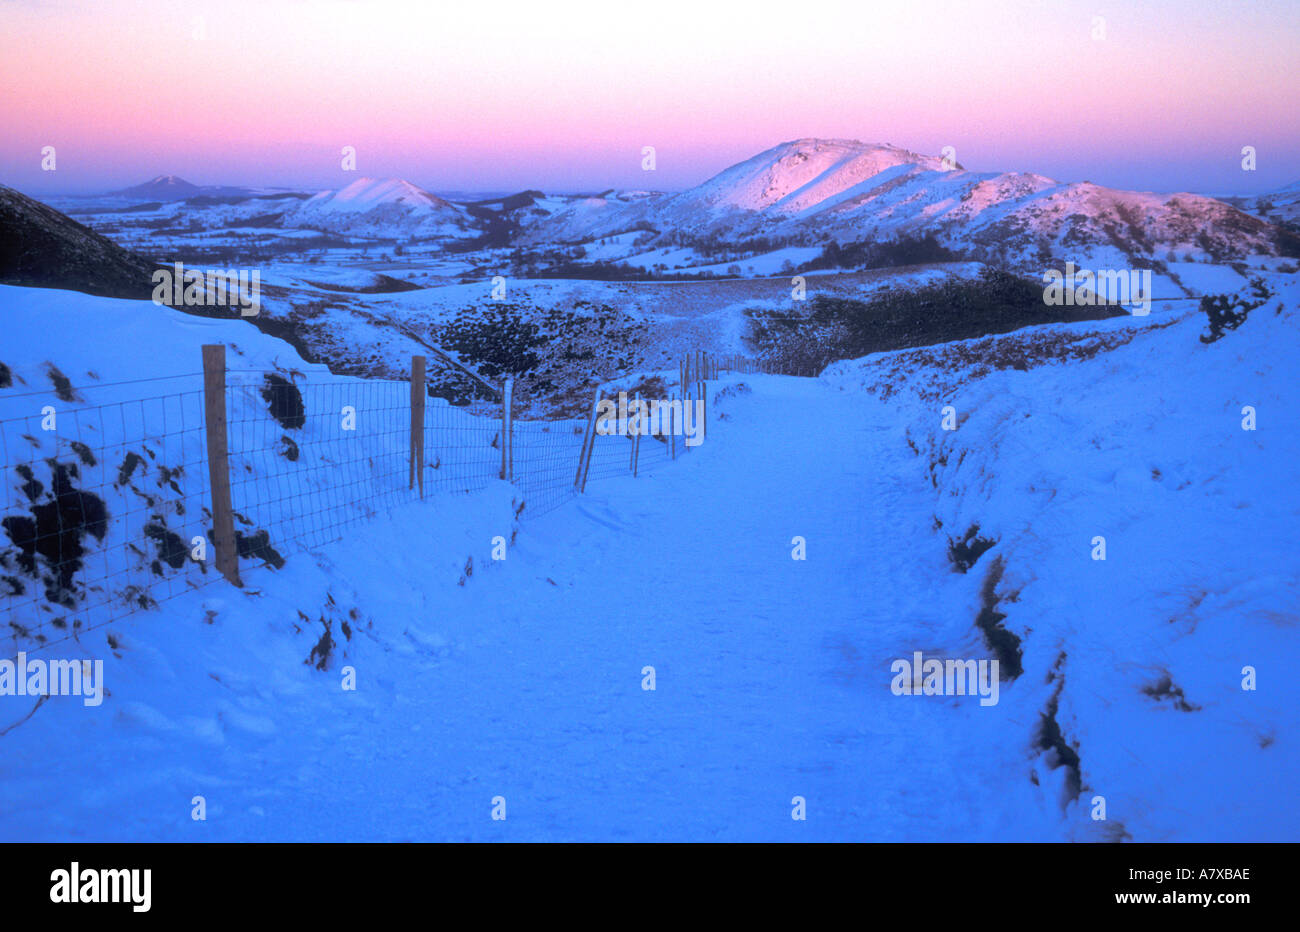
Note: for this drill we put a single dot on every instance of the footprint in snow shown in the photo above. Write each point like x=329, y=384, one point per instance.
x=605, y=517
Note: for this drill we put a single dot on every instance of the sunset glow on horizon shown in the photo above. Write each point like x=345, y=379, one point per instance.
x=491, y=96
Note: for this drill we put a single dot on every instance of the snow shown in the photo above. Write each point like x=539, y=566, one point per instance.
x=796, y=175
x=526, y=682
x=381, y=207
x=768, y=263
x=808, y=190
x=523, y=678
x=798, y=194
x=147, y=341
x=367, y=193
x=1143, y=445
x=1200, y=278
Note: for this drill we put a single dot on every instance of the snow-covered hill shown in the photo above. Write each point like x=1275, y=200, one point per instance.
x=1281, y=205
x=381, y=206
x=810, y=190
x=797, y=177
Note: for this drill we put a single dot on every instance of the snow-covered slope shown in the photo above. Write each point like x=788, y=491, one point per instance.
x=1136, y=666
x=810, y=190
x=797, y=176
x=1280, y=205
x=381, y=206
x=575, y=219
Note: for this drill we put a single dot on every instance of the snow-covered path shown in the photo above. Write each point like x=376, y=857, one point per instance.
x=772, y=675
x=760, y=690
x=1156, y=680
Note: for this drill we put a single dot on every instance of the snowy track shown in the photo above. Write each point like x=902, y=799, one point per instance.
x=772, y=676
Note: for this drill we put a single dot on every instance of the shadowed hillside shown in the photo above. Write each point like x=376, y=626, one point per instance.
x=41, y=247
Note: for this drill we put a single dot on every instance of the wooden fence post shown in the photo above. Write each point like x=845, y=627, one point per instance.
x=588, y=441
x=636, y=437
x=704, y=412
x=672, y=429
x=507, y=432
x=417, y=422
x=214, y=406
x=688, y=392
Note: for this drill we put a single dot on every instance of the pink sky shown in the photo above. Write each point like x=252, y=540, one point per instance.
x=563, y=96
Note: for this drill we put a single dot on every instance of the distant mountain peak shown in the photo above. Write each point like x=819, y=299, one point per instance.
x=369, y=193
x=796, y=175
x=368, y=205
x=161, y=188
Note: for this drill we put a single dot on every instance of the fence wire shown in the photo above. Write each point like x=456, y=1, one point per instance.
x=107, y=508
x=546, y=462
x=102, y=507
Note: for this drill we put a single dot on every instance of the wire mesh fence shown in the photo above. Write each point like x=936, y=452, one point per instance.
x=102, y=506
x=328, y=454
x=546, y=461
x=109, y=508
